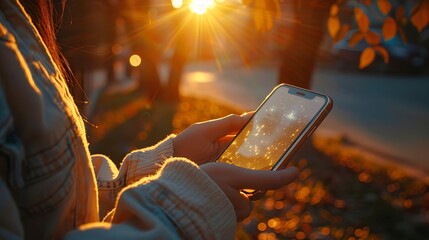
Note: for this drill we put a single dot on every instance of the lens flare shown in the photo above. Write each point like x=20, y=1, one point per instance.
x=200, y=6
x=177, y=3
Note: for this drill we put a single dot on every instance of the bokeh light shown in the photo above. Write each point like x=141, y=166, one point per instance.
x=135, y=60
x=200, y=77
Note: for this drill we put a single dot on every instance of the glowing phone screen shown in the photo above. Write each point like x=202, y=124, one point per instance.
x=272, y=129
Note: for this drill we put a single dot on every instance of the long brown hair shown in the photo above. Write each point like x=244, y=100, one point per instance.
x=47, y=19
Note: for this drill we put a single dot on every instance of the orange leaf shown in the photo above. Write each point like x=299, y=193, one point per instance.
x=334, y=10
x=400, y=12
x=383, y=52
x=420, y=18
x=355, y=38
x=385, y=6
x=402, y=34
x=389, y=28
x=362, y=20
x=342, y=33
x=400, y=15
x=333, y=26
x=372, y=38
x=366, y=58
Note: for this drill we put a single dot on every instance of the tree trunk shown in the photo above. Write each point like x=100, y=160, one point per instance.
x=177, y=65
x=300, y=56
x=186, y=39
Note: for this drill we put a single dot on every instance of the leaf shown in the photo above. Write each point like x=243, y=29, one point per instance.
x=389, y=29
x=367, y=2
x=385, y=6
x=334, y=10
x=402, y=34
x=420, y=18
x=333, y=26
x=355, y=38
x=342, y=33
x=372, y=38
x=366, y=57
x=383, y=52
x=400, y=12
x=361, y=20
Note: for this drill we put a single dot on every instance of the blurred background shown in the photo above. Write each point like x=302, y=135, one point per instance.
x=145, y=69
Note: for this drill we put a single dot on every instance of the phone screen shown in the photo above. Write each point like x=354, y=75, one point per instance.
x=274, y=127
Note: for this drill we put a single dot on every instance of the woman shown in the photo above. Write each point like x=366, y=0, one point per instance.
x=50, y=186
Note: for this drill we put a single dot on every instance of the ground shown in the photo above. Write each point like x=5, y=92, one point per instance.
x=340, y=193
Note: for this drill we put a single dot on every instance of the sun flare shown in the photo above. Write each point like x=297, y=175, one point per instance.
x=177, y=3
x=201, y=6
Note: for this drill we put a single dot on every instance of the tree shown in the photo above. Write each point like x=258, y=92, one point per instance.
x=394, y=17
x=307, y=32
x=299, y=58
x=312, y=19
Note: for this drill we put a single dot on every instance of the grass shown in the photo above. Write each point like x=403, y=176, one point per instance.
x=340, y=193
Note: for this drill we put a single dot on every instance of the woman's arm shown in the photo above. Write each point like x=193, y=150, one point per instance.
x=181, y=201
x=184, y=201
x=200, y=143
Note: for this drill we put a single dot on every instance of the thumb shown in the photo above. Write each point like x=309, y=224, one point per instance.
x=263, y=179
x=243, y=178
x=220, y=127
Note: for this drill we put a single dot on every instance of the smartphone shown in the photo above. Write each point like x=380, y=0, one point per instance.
x=277, y=129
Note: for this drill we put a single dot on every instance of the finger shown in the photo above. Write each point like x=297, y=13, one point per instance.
x=221, y=127
x=245, y=209
x=220, y=146
x=224, y=141
x=242, y=178
x=248, y=114
x=242, y=205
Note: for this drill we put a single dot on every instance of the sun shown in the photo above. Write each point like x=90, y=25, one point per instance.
x=196, y=6
x=201, y=6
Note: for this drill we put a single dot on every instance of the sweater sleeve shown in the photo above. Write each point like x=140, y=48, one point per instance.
x=180, y=201
x=135, y=166
x=145, y=162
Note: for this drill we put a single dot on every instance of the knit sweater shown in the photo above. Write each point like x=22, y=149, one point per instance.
x=51, y=187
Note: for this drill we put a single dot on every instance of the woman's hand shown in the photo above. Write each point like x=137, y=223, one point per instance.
x=202, y=142
x=231, y=179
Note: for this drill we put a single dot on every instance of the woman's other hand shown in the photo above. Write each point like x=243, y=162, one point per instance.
x=231, y=179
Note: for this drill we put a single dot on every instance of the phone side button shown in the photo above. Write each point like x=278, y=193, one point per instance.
x=311, y=132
